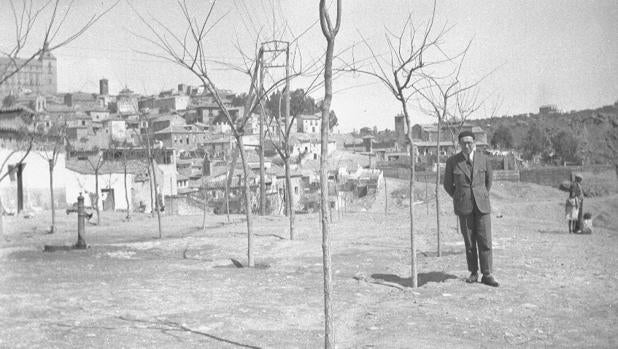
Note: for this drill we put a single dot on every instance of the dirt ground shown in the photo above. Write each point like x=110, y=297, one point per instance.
x=131, y=290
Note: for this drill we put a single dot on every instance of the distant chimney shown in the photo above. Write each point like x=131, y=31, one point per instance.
x=184, y=89
x=68, y=100
x=103, y=87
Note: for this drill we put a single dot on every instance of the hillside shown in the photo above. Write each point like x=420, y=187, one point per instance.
x=595, y=129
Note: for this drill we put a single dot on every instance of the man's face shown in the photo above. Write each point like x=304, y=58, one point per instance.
x=467, y=144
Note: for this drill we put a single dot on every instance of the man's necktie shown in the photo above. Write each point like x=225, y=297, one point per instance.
x=469, y=164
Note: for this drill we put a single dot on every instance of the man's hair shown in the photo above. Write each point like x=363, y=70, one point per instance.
x=463, y=134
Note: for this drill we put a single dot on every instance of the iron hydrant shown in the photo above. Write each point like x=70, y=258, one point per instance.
x=81, y=223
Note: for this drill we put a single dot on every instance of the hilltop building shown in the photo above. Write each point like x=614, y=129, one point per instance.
x=425, y=137
x=37, y=76
x=309, y=123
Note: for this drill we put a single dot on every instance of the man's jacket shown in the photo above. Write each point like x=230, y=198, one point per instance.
x=466, y=186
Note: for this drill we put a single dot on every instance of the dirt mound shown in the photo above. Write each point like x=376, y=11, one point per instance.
x=603, y=212
x=605, y=220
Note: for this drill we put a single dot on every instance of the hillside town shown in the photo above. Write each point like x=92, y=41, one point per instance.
x=194, y=150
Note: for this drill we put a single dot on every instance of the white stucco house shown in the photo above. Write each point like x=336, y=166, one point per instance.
x=34, y=181
x=81, y=179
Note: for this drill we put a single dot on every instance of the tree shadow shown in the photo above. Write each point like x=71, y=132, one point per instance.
x=444, y=253
x=167, y=326
x=423, y=278
x=558, y=232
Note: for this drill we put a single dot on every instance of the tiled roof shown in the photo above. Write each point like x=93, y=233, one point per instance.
x=59, y=108
x=84, y=167
x=16, y=109
x=165, y=117
x=309, y=117
x=214, y=138
x=180, y=129
x=307, y=138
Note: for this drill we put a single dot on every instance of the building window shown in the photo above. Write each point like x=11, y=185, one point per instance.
x=83, y=122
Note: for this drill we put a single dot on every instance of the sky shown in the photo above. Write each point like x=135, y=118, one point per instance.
x=527, y=53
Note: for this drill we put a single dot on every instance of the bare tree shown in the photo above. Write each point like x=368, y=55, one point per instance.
x=121, y=148
x=51, y=17
x=189, y=52
x=438, y=93
x=53, y=143
x=96, y=160
x=204, y=191
x=280, y=136
x=330, y=32
x=401, y=72
x=152, y=167
x=25, y=136
x=28, y=20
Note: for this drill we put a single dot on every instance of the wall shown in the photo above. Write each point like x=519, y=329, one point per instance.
x=553, y=176
x=506, y=175
x=35, y=182
x=182, y=205
x=430, y=176
x=85, y=183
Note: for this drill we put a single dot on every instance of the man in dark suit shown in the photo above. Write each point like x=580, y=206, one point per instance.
x=468, y=180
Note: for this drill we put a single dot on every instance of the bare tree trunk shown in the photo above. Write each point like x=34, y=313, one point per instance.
x=152, y=204
x=228, y=182
x=439, y=251
x=290, y=196
x=261, y=148
x=156, y=194
x=247, y=195
x=262, y=174
x=286, y=151
x=204, y=204
x=126, y=193
x=413, y=268
x=52, y=229
x=151, y=160
x=329, y=33
x=385, y=196
x=426, y=193
x=96, y=195
x=413, y=264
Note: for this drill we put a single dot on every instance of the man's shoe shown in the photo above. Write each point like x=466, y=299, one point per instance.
x=474, y=277
x=489, y=281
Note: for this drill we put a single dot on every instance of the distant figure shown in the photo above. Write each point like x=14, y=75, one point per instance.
x=467, y=180
x=571, y=211
x=587, y=228
x=576, y=190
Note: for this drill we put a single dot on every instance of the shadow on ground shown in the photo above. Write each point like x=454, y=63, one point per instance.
x=423, y=278
x=443, y=253
x=559, y=232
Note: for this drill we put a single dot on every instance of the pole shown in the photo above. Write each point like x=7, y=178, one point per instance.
x=261, y=148
x=81, y=224
x=426, y=194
